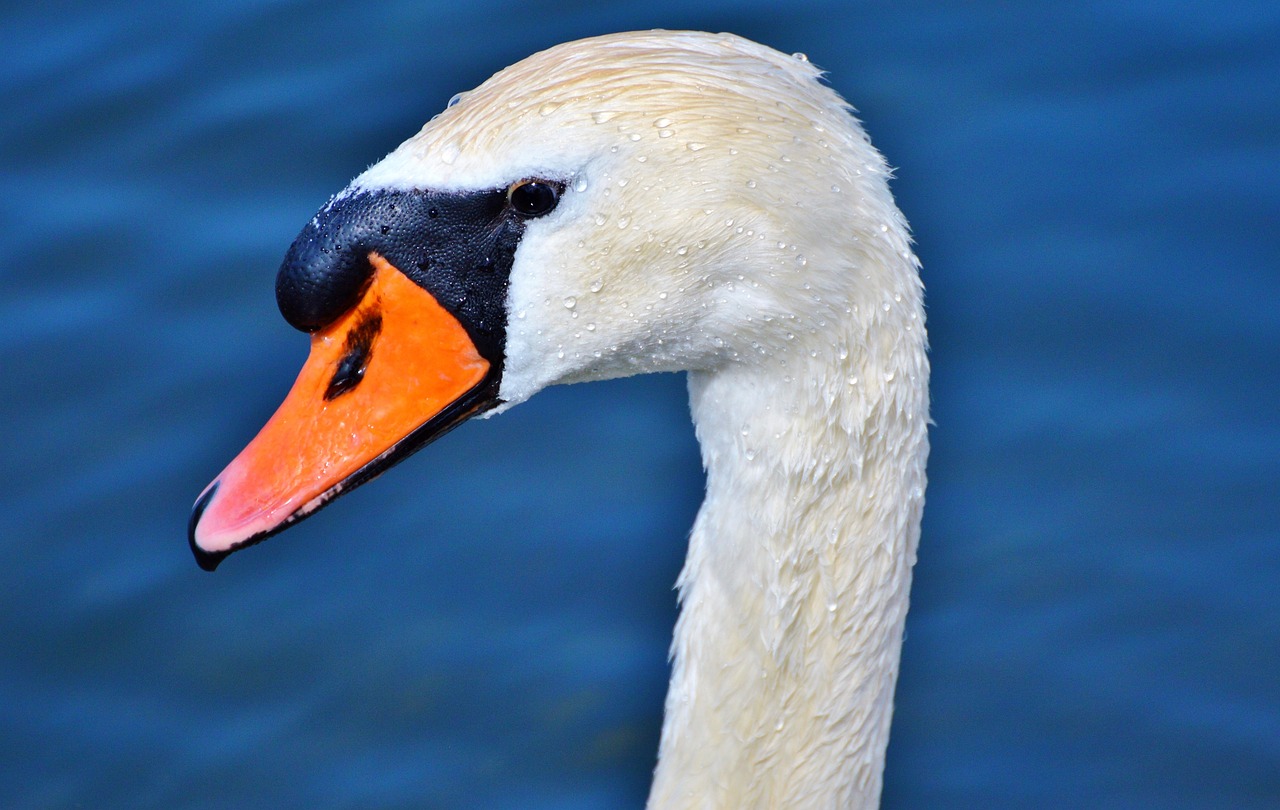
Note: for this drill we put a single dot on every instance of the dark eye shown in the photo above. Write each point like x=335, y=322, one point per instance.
x=533, y=198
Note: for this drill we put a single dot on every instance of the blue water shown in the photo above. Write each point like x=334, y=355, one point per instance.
x=1095, y=621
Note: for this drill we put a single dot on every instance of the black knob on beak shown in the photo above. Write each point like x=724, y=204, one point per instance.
x=327, y=267
x=458, y=246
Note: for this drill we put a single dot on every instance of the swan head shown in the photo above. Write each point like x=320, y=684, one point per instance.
x=640, y=202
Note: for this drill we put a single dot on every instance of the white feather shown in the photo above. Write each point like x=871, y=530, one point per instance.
x=725, y=214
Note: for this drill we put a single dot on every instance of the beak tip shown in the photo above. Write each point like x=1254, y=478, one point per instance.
x=207, y=560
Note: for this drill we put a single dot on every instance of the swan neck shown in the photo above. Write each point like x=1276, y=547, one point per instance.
x=794, y=592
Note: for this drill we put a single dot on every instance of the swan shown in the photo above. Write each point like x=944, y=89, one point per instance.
x=647, y=202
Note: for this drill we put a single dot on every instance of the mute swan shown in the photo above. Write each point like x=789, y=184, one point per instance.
x=640, y=202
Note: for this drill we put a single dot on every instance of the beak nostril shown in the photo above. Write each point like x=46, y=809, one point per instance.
x=356, y=355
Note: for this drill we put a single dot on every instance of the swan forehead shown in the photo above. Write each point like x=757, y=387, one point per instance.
x=557, y=111
x=690, y=160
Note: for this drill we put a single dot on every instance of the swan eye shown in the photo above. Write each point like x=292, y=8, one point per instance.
x=533, y=198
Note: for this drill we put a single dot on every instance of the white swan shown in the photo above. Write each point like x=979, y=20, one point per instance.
x=649, y=202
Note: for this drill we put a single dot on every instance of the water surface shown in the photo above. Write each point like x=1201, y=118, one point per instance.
x=1094, y=621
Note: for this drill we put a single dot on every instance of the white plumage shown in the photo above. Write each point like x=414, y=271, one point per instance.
x=726, y=215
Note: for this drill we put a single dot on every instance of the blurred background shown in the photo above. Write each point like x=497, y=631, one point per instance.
x=1095, y=192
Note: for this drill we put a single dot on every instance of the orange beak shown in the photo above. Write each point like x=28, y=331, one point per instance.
x=392, y=373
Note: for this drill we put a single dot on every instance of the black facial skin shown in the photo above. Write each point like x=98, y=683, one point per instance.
x=457, y=246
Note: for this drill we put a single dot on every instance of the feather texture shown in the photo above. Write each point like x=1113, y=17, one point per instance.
x=726, y=215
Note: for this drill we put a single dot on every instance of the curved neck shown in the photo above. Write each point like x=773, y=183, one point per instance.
x=795, y=588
